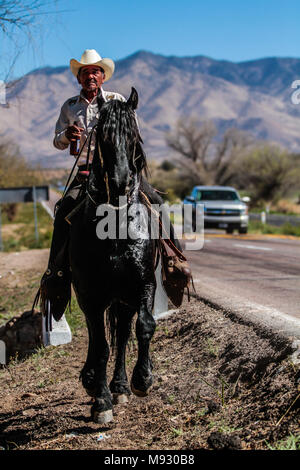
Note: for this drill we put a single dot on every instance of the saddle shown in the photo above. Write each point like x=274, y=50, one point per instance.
x=176, y=273
x=175, y=270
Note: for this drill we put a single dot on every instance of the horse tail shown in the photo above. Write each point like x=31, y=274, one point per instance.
x=111, y=324
x=113, y=314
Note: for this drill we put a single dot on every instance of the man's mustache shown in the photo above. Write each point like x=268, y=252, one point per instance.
x=90, y=80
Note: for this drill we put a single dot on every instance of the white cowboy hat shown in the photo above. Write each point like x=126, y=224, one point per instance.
x=91, y=57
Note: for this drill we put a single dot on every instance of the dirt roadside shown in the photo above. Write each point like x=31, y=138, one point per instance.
x=219, y=384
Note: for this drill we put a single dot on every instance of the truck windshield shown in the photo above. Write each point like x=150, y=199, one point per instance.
x=217, y=195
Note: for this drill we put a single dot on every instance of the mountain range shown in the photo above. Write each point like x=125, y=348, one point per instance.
x=254, y=96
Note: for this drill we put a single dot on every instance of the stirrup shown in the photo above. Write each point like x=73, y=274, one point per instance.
x=54, y=293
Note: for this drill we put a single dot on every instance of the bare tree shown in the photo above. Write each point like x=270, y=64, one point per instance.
x=17, y=13
x=20, y=24
x=268, y=173
x=14, y=171
x=192, y=140
x=201, y=158
x=264, y=170
x=22, y=14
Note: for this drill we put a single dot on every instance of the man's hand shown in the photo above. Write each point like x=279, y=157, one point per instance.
x=73, y=132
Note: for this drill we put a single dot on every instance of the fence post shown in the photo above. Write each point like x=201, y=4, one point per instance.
x=1, y=242
x=35, y=214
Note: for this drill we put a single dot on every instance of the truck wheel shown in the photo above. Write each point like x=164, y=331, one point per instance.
x=243, y=230
x=229, y=230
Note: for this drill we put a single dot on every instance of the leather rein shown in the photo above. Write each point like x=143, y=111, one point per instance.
x=89, y=139
x=168, y=244
x=128, y=193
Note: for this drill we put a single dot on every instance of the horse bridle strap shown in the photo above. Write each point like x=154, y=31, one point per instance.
x=89, y=136
x=105, y=173
x=106, y=181
x=89, y=146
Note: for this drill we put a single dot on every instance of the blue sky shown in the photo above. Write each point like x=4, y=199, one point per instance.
x=222, y=29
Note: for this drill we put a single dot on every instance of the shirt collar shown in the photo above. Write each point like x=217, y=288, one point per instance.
x=83, y=98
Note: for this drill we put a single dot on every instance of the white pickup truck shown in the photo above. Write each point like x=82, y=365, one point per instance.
x=223, y=207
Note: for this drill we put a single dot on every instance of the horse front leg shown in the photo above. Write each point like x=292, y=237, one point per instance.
x=94, y=372
x=142, y=378
x=119, y=385
x=87, y=374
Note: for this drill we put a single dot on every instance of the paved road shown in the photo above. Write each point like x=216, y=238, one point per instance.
x=254, y=273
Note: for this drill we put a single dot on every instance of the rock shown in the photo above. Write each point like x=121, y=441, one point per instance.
x=22, y=335
x=213, y=406
x=28, y=395
x=220, y=441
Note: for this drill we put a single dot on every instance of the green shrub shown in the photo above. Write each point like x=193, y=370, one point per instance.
x=22, y=234
x=286, y=229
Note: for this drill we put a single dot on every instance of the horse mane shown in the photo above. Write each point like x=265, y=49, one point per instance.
x=117, y=122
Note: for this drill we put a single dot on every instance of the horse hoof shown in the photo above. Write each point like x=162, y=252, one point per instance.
x=102, y=417
x=138, y=393
x=119, y=398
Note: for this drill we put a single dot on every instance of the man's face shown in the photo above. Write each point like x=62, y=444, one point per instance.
x=91, y=77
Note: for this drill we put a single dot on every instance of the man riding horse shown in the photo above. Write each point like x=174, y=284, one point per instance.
x=78, y=116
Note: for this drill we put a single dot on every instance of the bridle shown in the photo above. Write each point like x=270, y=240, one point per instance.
x=128, y=194
x=88, y=141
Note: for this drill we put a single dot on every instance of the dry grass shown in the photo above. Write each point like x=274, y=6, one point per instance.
x=285, y=206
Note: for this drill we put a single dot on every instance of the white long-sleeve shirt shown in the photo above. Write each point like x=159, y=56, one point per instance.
x=86, y=114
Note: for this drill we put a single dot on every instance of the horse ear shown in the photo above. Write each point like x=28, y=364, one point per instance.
x=133, y=99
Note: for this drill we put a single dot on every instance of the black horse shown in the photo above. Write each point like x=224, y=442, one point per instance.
x=114, y=275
